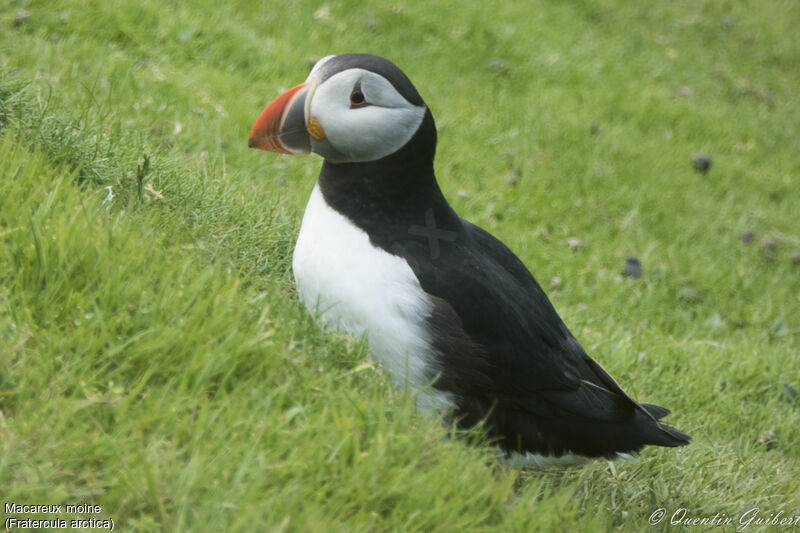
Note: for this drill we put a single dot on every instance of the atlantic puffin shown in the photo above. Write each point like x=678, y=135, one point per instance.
x=446, y=307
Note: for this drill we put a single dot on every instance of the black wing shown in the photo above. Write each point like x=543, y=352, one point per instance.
x=510, y=361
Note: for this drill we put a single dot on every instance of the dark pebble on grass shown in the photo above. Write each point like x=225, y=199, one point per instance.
x=701, y=162
x=633, y=268
x=768, y=438
x=512, y=178
x=372, y=24
x=21, y=18
x=789, y=392
x=796, y=258
x=689, y=295
x=747, y=236
x=770, y=249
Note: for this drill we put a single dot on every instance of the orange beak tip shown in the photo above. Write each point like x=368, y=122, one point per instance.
x=266, y=132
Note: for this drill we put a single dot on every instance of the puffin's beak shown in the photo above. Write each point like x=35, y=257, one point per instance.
x=281, y=127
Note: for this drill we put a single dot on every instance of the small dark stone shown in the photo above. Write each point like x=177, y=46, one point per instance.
x=770, y=249
x=689, y=295
x=747, y=235
x=372, y=23
x=21, y=18
x=512, y=178
x=633, y=268
x=768, y=439
x=701, y=162
x=789, y=392
x=796, y=258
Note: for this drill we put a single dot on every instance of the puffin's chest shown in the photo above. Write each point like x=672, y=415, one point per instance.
x=364, y=290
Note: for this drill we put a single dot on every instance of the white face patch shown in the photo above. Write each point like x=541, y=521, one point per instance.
x=366, y=132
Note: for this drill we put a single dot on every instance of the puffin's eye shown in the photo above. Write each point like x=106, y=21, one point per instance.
x=357, y=97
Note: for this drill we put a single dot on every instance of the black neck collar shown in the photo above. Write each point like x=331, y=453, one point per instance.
x=386, y=197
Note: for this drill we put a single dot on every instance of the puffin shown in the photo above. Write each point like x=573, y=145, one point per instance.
x=448, y=309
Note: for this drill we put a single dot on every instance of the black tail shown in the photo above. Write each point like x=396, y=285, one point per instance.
x=665, y=435
x=657, y=411
x=669, y=436
x=526, y=430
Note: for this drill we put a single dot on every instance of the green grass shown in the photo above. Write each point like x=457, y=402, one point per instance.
x=154, y=359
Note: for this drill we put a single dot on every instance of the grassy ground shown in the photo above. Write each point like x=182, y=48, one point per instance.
x=154, y=359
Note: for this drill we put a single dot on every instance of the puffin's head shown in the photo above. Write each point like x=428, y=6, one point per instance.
x=352, y=108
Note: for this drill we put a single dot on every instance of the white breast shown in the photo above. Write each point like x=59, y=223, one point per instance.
x=363, y=290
